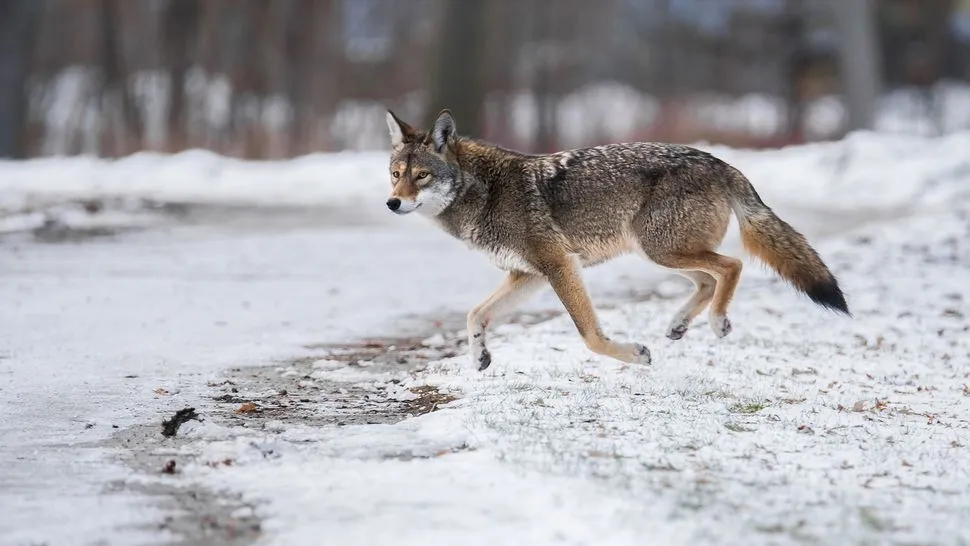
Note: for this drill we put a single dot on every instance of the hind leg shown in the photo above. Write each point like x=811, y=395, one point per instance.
x=704, y=285
x=727, y=271
x=681, y=231
x=724, y=269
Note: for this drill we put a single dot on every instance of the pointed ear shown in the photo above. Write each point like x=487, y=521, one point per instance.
x=398, y=129
x=444, y=130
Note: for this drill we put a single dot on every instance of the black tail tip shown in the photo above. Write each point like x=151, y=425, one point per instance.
x=829, y=295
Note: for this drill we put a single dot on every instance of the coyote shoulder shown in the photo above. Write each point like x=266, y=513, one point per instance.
x=542, y=218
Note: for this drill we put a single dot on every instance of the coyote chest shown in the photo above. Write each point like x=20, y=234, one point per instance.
x=502, y=256
x=507, y=259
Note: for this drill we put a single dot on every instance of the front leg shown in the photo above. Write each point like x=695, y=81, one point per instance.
x=517, y=287
x=563, y=274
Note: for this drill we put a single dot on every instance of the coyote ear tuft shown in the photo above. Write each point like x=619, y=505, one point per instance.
x=444, y=130
x=398, y=129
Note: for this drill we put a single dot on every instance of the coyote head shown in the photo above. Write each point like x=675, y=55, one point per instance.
x=423, y=168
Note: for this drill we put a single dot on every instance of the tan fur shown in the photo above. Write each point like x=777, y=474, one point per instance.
x=406, y=185
x=563, y=275
x=704, y=285
x=545, y=217
x=775, y=243
x=516, y=287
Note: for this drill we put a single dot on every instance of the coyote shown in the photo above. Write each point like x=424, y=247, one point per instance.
x=542, y=218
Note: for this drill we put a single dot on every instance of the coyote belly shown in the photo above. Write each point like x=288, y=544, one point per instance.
x=542, y=218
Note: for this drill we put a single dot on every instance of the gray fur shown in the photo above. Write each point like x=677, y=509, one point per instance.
x=540, y=217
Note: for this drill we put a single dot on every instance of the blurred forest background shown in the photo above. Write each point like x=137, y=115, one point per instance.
x=280, y=78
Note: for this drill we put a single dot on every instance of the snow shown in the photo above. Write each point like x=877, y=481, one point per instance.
x=799, y=426
x=340, y=179
x=848, y=175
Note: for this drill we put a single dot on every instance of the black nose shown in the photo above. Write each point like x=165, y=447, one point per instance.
x=394, y=203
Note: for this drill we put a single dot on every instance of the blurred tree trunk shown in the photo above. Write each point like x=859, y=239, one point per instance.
x=301, y=22
x=180, y=28
x=505, y=42
x=18, y=32
x=861, y=77
x=459, y=77
x=794, y=31
x=114, y=86
x=543, y=84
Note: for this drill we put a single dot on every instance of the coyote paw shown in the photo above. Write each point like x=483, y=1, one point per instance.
x=678, y=330
x=641, y=355
x=484, y=360
x=721, y=325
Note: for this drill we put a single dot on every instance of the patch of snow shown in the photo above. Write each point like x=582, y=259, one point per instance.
x=866, y=171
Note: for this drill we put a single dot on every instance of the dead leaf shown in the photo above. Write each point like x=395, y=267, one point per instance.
x=248, y=407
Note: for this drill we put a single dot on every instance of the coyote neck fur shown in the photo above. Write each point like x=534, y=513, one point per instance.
x=486, y=181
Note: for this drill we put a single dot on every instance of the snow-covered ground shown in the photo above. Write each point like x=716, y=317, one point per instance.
x=799, y=426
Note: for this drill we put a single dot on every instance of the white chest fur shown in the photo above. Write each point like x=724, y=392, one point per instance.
x=508, y=260
x=504, y=258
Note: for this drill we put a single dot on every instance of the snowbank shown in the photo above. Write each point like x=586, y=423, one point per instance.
x=197, y=176
x=864, y=171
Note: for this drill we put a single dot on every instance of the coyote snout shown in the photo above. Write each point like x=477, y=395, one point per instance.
x=402, y=206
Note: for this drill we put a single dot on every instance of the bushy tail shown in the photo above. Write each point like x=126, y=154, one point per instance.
x=777, y=244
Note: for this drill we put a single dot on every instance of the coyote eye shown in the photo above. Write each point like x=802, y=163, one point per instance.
x=422, y=176
x=396, y=174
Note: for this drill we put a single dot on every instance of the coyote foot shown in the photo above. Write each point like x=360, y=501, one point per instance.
x=641, y=355
x=678, y=330
x=721, y=325
x=484, y=360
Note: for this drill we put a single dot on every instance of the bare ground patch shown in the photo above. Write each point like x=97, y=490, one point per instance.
x=338, y=384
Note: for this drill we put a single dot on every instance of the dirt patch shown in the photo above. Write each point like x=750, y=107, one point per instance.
x=338, y=384
x=428, y=399
x=351, y=383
